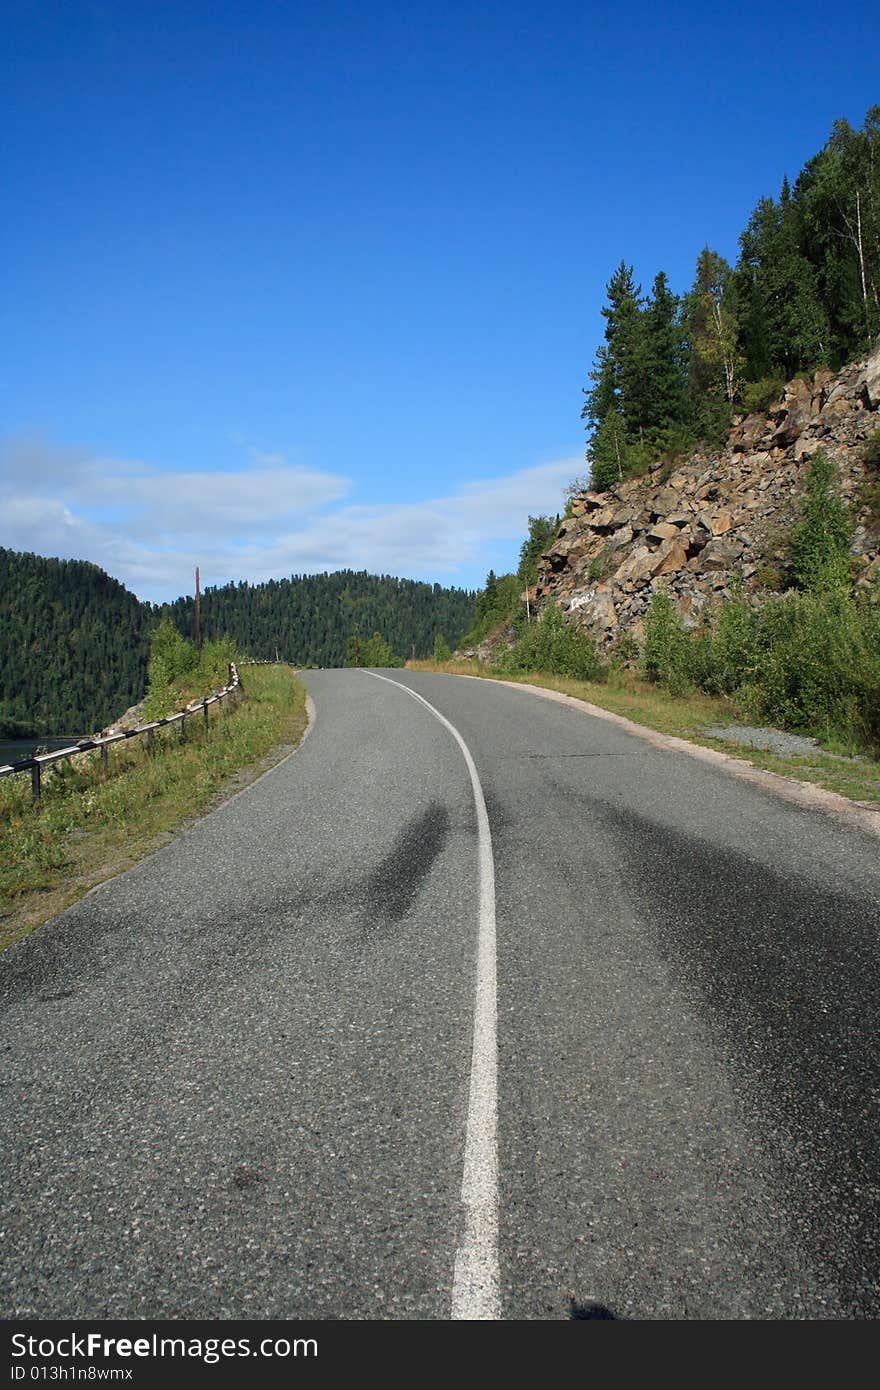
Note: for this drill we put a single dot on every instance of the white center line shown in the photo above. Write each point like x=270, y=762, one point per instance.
x=476, y=1285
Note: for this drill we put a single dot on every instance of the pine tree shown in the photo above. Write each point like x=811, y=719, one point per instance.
x=785, y=314
x=616, y=369
x=622, y=327
x=662, y=386
x=607, y=452
x=542, y=529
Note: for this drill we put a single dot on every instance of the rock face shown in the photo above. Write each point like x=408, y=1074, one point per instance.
x=715, y=516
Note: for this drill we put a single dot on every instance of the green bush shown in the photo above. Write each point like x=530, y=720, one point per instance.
x=797, y=660
x=818, y=664
x=769, y=576
x=377, y=652
x=213, y=665
x=441, y=650
x=758, y=396
x=171, y=661
x=666, y=654
x=550, y=644
x=820, y=541
x=176, y=672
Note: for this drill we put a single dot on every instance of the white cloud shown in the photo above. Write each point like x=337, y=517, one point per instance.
x=148, y=527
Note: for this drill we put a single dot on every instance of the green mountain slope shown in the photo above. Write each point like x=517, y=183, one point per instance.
x=308, y=618
x=74, y=642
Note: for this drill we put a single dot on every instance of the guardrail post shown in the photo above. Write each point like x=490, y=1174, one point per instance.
x=231, y=694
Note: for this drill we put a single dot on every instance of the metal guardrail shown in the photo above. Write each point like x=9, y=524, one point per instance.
x=35, y=764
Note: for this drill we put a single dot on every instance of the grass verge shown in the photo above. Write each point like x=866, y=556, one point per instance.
x=88, y=828
x=684, y=716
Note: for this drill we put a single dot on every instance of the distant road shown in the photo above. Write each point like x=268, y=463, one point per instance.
x=636, y=1011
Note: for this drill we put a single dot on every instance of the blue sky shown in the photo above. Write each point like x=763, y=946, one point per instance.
x=292, y=287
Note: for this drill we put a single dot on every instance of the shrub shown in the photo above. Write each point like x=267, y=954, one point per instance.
x=377, y=652
x=666, y=654
x=796, y=660
x=176, y=672
x=214, y=662
x=769, y=576
x=441, y=650
x=820, y=541
x=818, y=663
x=498, y=602
x=550, y=644
x=760, y=395
x=171, y=661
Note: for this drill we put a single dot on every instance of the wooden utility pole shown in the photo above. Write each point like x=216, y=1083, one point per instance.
x=198, y=615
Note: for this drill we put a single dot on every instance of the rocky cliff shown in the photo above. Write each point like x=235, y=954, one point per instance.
x=696, y=524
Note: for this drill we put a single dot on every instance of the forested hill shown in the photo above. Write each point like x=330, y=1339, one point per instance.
x=74, y=642
x=309, y=619
x=73, y=645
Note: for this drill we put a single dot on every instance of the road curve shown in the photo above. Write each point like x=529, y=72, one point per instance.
x=237, y=1080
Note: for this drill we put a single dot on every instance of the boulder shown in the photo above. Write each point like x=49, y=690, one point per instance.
x=611, y=518
x=622, y=537
x=821, y=378
x=598, y=611
x=807, y=448
x=792, y=424
x=663, y=502
x=662, y=531
x=638, y=567
x=557, y=557
x=720, y=555
x=798, y=393
x=745, y=438
x=716, y=523
x=671, y=556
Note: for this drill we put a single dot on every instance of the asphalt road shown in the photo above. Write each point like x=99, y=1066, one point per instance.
x=236, y=1081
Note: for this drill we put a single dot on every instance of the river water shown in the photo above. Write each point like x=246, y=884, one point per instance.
x=11, y=750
